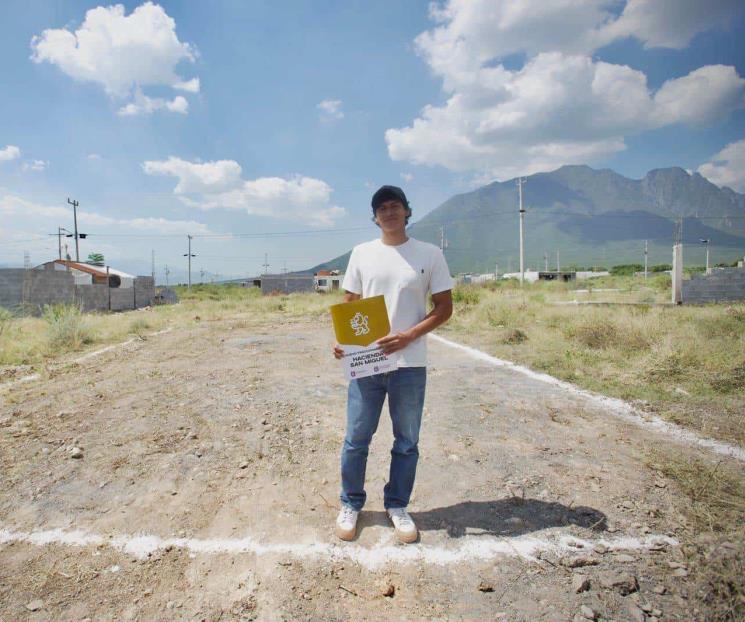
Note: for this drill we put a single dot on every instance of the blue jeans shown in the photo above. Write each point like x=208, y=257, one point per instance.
x=405, y=390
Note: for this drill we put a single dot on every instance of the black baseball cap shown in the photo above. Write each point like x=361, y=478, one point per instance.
x=388, y=193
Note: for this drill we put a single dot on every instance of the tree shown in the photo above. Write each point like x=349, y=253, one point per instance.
x=95, y=259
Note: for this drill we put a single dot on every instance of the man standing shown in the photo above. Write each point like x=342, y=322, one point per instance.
x=404, y=271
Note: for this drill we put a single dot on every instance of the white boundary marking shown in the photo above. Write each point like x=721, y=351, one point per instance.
x=480, y=548
x=614, y=406
x=85, y=357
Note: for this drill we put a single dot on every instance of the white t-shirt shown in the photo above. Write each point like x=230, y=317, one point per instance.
x=404, y=274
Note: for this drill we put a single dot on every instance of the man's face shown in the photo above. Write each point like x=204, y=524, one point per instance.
x=391, y=215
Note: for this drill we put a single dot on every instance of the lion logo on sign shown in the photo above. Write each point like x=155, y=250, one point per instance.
x=359, y=324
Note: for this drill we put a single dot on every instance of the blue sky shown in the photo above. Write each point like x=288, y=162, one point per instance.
x=227, y=118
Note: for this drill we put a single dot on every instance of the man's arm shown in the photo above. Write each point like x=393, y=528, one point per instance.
x=441, y=312
x=348, y=297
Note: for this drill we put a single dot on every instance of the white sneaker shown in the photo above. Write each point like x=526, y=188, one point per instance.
x=406, y=530
x=346, y=523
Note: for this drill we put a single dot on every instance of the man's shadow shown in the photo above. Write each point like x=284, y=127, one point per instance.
x=505, y=517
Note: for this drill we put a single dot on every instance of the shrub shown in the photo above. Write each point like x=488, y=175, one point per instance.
x=730, y=380
x=138, y=326
x=670, y=365
x=66, y=327
x=626, y=269
x=596, y=333
x=466, y=294
x=738, y=313
x=6, y=317
x=496, y=315
x=514, y=336
x=661, y=283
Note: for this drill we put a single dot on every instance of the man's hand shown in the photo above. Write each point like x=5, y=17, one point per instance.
x=394, y=342
x=338, y=352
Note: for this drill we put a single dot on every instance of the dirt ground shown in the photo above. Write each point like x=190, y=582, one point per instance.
x=207, y=489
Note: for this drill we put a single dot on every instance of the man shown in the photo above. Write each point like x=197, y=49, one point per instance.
x=403, y=270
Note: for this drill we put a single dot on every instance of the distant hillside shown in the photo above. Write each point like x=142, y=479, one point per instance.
x=592, y=217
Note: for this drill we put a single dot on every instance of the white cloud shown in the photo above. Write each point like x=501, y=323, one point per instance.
x=143, y=104
x=700, y=97
x=11, y=205
x=94, y=157
x=561, y=107
x=122, y=53
x=11, y=152
x=727, y=168
x=196, y=177
x=190, y=86
x=407, y=177
x=669, y=23
x=35, y=165
x=219, y=185
x=331, y=109
x=471, y=32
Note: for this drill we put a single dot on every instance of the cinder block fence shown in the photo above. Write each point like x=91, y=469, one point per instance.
x=30, y=290
x=722, y=285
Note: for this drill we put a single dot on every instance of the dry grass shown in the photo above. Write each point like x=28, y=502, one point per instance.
x=32, y=341
x=711, y=503
x=686, y=363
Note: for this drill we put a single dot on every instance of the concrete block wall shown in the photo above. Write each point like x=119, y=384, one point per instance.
x=144, y=291
x=94, y=297
x=122, y=299
x=722, y=285
x=11, y=287
x=286, y=285
x=42, y=287
x=30, y=290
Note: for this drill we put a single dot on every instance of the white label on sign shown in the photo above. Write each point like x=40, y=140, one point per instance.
x=362, y=361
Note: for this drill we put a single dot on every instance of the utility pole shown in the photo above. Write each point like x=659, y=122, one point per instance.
x=558, y=264
x=153, y=268
x=677, y=273
x=520, y=182
x=443, y=239
x=167, y=273
x=201, y=275
x=189, y=255
x=75, y=216
x=266, y=264
x=646, y=258
x=59, y=241
x=545, y=260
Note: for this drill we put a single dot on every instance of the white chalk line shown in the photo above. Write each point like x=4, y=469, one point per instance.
x=87, y=356
x=614, y=406
x=476, y=549
x=114, y=346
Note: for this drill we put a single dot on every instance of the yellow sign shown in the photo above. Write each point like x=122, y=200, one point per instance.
x=360, y=322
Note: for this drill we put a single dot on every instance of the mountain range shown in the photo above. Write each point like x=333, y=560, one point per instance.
x=588, y=217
